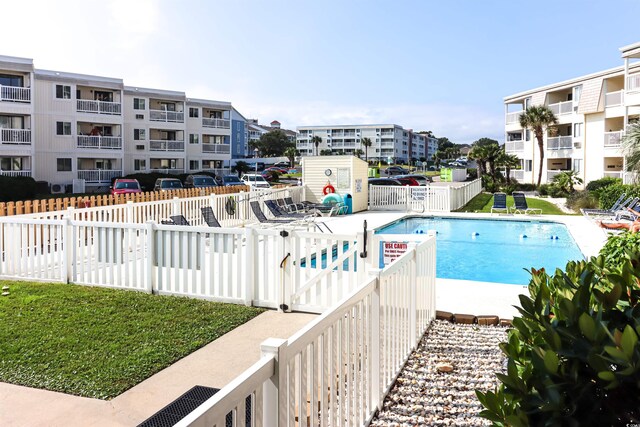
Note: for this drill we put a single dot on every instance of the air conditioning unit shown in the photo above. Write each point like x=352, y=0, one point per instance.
x=57, y=189
x=139, y=147
x=140, y=116
x=577, y=145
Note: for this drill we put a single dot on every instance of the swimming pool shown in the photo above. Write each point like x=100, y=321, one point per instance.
x=492, y=250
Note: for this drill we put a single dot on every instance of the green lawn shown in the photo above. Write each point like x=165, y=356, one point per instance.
x=97, y=342
x=483, y=202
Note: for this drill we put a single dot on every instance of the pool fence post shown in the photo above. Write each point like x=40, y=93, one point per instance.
x=251, y=263
x=68, y=244
x=376, y=392
x=175, y=206
x=413, y=273
x=129, y=212
x=274, y=389
x=150, y=253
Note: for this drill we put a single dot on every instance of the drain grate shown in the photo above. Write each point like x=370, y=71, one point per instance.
x=183, y=405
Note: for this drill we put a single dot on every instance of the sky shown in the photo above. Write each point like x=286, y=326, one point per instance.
x=443, y=66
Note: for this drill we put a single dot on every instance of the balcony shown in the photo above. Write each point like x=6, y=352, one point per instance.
x=166, y=116
x=15, y=173
x=98, y=107
x=168, y=171
x=216, y=148
x=552, y=173
x=560, y=143
x=616, y=174
x=15, y=136
x=513, y=118
x=614, y=99
x=633, y=82
x=15, y=94
x=561, y=108
x=166, y=145
x=612, y=139
x=100, y=142
x=514, y=146
x=99, y=176
x=215, y=123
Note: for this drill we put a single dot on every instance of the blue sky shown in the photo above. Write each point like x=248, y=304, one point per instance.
x=443, y=66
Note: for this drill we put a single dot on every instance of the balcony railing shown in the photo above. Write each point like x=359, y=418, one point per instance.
x=100, y=142
x=215, y=123
x=613, y=99
x=511, y=146
x=168, y=171
x=216, y=148
x=166, y=116
x=560, y=142
x=612, y=139
x=616, y=174
x=303, y=145
x=561, y=108
x=513, y=118
x=98, y=107
x=633, y=82
x=15, y=136
x=155, y=145
x=554, y=172
x=15, y=173
x=15, y=93
x=98, y=175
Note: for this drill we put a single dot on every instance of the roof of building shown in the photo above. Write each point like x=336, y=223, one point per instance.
x=83, y=79
x=631, y=50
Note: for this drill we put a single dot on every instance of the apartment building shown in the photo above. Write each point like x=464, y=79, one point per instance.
x=390, y=142
x=256, y=130
x=67, y=128
x=593, y=112
x=239, y=135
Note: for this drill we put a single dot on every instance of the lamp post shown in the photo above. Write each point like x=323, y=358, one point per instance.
x=255, y=156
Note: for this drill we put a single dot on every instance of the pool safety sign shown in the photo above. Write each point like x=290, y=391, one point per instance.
x=392, y=250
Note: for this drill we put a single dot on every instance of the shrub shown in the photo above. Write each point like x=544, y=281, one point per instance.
x=602, y=183
x=573, y=356
x=526, y=187
x=15, y=188
x=620, y=247
x=472, y=173
x=544, y=189
x=557, y=191
x=582, y=200
x=608, y=195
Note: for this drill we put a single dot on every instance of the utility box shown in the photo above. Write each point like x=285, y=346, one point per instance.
x=453, y=175
x=346, y=174
x=374, y=172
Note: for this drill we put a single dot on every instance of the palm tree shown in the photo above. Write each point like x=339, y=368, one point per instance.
x=631, y=148
x=316, y=140
x=538, y=118
x=509, y=161
x=479, y=154
x=241, y=167
x=366, y=143
x=358, y=152
x=493, y=153
x=567, y=180
x=291, y=154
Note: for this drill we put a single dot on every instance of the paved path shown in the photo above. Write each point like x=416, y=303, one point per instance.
x=214, y=365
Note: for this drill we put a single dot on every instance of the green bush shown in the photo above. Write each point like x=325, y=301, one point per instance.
x=573, y=356
x=582, y=200
x=620, y=247
x=526, y=187
x=472, y=173
x=608, y=195
x=15, y=188
x=544, y=189
x=602, y=183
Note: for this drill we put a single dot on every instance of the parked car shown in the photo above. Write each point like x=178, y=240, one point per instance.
x=422, y=179
x=165, y=184
x=384, y=181
x=282, y=165
x=407, y=180
x=395, y=170
x=199, y=181
x=230, y=180
x=125, y=186
x=276, y=169
x=255, y=180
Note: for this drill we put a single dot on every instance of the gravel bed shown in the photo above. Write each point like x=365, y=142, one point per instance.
x=424, y=396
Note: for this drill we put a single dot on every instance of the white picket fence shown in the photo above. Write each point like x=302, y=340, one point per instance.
x=337, y=370
x=422, y=198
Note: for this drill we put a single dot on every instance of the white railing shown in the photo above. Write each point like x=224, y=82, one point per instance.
x=15, y=136
x=166, y=116
x=517, y=174
x=216, y=148
x=167, y=171
x=100, y=175
x=560, y=142
x=98, y=107
x=215, y=123
x=422, y=198
x=617, y=174
x=613, y=139
x=613, y=99
x=15, y=173
x=633, y=82
x=166, y=145
x=514, y=146
x=513, y=118
x=100, y=142
x=552, y=173
x=339, y=368
x=15, y=93
x=561, y=108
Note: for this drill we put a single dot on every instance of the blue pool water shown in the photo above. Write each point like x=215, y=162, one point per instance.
x=492, y=251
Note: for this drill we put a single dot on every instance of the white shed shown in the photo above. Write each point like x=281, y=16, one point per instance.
x=347, y=174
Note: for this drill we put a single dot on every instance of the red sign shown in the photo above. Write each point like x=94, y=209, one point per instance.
x=392, y=250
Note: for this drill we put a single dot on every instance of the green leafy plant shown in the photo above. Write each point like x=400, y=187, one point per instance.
x=573, y=356
x=598, y=184
x=608, y=195
x=620, y=247
x=582, y=200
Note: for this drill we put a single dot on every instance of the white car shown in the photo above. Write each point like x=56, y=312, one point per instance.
x=255, y=180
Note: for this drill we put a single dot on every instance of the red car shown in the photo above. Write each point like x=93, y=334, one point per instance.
x=125, y=186
x=408, y=181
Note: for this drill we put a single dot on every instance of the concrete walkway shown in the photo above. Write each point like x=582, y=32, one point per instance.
x=214, y=365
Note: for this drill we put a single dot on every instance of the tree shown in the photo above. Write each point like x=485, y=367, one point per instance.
x=241, y=167
x=325, y=152
x=291, y=154
x=538, y=118
x=273, y=144
x=358, y=152
x=444, y=143
x=366, y=143
x=316, y=140
x=631, y=148
x=566, y=181
x=509, y=161
x=479, y=154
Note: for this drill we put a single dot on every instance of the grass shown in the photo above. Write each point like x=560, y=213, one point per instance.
x=483, y=202
x=97, y=342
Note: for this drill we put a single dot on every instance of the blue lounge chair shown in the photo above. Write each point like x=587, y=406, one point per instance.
x=620, y=204
x=209, y=217
x=179, y=220
x=520, y=205
x=255, y=207
x=279, y=213
x=499, y=203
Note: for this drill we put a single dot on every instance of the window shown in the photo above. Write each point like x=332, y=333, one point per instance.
x=139, y=164
x=577, y=165
x=63, y=92
x=63, y=128
x=11, y=163
x=11, y=80
x=527, y=103
x=528, y=165
x=527, y=135
x=194, y=165
x=577, y=92
x=193, y=112
x=100, y=95
x=577, y=130
x=168, y=106
x=139, y=104
x=139, y=134
x=11, y=122
x=64, y=165
x=194, y=138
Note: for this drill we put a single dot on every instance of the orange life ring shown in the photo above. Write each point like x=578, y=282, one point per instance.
x=328, y=189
